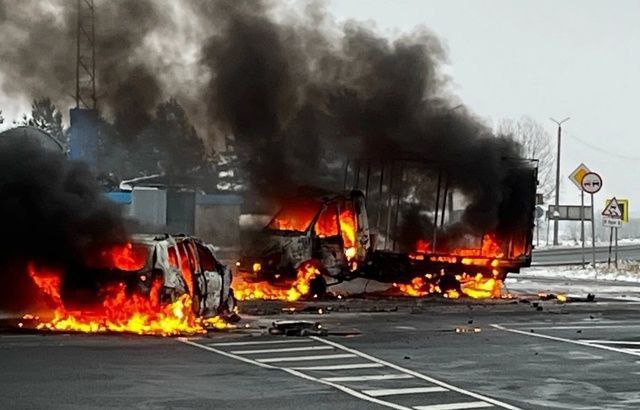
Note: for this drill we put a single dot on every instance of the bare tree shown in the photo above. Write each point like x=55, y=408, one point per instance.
x=536, y=143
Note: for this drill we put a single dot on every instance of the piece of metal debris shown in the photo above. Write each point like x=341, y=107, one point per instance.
x=297, y=328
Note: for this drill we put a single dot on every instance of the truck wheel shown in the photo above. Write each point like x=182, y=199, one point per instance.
x=318, y=286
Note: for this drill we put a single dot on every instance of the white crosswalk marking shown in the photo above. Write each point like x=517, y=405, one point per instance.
x=341, y=366
x=260, y=342
x=404, y=390
x=305, y=358
x=284, y=349
x=368, y=377
x=339, y=373
x=456, y=406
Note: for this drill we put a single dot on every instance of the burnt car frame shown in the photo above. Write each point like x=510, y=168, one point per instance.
x=183, y=264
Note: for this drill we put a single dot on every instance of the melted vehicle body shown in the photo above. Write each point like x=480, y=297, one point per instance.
x=182, y=264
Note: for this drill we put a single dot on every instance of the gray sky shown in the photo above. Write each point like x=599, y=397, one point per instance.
x=542, y=58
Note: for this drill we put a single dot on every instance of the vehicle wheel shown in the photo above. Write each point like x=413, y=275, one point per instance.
x=318, y=286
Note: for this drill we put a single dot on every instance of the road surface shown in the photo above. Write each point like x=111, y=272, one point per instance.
x=385, y=353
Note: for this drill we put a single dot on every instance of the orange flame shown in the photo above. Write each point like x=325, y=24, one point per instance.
x=120, y=312
x=475, y=287
x=48, y=281
x=124, y=257
x=263, y=290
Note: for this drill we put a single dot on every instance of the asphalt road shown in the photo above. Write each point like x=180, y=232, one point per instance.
x=566, y=256
x=390, y=353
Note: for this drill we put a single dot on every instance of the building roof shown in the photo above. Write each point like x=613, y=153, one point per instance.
x=42, y=138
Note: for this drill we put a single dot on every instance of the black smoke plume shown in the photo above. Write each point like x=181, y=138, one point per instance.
x=300, y=92
x=52, y=215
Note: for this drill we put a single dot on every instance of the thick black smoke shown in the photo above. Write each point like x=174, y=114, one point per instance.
x=38, y=55
x=52, y=214
x=300, y=97
x=300, y=92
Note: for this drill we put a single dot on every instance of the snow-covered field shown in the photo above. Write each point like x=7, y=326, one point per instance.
x=626, y=272
x=570, y=243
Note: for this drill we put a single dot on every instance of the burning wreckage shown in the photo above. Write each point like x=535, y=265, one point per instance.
x=320, y=239
x=154, y=284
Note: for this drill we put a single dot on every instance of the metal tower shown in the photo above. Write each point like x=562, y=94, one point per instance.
x=85, y=55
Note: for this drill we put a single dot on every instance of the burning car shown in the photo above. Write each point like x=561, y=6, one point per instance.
x=153, y=284
x=177, y=265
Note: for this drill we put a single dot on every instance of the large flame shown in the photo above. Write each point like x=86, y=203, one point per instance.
x=475, y=287
x=125, y=257
x=263, y=290
x=121, y=312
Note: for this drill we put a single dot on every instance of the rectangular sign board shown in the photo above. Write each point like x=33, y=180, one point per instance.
x=611, y=222
x=569, y=213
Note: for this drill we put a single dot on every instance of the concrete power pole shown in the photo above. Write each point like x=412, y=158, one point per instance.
x=556, y=222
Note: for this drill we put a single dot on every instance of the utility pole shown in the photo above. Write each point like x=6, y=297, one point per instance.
x=556, y=222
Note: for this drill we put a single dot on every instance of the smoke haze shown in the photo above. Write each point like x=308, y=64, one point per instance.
x=300, y=93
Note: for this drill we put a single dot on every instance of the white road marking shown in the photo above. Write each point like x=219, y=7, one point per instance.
x=261, y=342
x=582, y=355
x=296, y=373
x=304, y=358
x=284, y=349
x=418, y=375
x=610, y=342
x=405, y=390
x=368, y=377
x=582, y=327
x=456, y=406
x=341, y=366
x=348, y=390
x=223, y=353
x=560, y=339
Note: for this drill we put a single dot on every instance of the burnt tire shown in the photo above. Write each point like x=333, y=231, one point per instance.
x=318, y=286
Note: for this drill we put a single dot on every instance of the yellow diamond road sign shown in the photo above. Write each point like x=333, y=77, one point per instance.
x=577, y=175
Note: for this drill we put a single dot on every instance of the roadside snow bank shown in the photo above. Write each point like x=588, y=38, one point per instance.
x=626, y=272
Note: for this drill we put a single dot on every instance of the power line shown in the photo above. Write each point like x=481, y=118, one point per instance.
x=600, y=150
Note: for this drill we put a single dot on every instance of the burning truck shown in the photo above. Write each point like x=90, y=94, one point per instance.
x=326, y=238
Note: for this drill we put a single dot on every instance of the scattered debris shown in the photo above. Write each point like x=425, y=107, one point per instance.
x=297, y=328
x=464, y=329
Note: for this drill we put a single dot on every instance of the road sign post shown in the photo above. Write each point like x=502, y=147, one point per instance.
x=615, y=213
x=582, y=226
x=576, y=177
x=592, y=183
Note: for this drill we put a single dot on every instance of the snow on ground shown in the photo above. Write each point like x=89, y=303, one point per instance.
x=626, y=272
x=571, y=243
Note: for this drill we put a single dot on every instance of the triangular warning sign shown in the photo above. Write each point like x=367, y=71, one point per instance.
x=613, y=209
